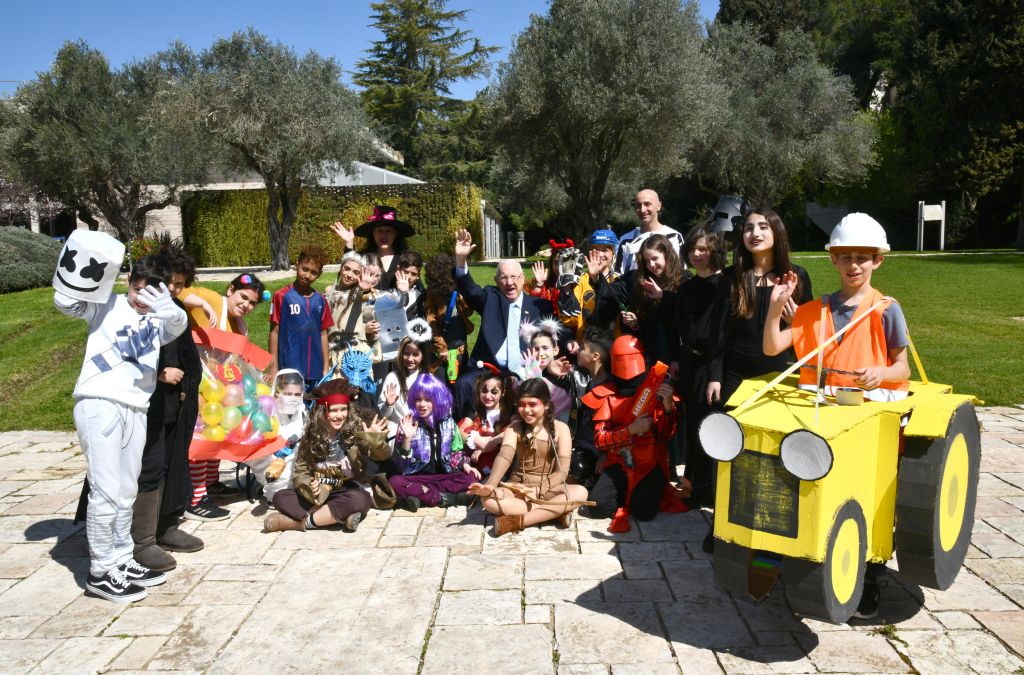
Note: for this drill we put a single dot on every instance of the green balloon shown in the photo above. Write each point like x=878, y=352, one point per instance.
x=249, y=406
x=261, y=422
x=232, y=418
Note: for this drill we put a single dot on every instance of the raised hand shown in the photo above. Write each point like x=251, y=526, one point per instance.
x=346, y=234
x=366, y=279
x=652, y=289
x=401, y=281
x=463, y=246
x=560, y=367
x=159, y=300
x=595, y=264
x=540, y=273
x=783, y=290
x=408, y=426
x=378, y=424
x=391, y=393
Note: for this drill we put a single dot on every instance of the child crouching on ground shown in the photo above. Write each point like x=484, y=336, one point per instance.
x=111, y=400
x=539, y=448
x=330, y=472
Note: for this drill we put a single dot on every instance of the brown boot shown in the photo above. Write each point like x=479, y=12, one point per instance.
x=506, y=524
x=145, y=514
x=278, y=522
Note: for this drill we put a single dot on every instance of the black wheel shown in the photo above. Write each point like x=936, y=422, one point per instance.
x=830, y=590
x=936, y=489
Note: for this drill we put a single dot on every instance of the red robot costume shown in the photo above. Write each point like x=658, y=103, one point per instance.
x=614, y=412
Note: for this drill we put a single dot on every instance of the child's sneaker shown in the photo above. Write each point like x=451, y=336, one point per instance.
x=206, y=511
x=220, y=489
x=114, y=586
x=141, y=576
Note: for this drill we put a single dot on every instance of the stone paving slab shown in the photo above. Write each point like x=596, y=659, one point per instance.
x=436, y=592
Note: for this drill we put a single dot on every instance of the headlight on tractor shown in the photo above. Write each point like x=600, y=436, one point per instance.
x=806, y=455
x=722, y=436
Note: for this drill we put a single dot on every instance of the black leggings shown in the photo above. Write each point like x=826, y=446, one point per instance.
x=610, y=493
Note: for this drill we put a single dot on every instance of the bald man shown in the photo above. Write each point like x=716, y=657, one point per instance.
x=503, y=308
x=647, y=206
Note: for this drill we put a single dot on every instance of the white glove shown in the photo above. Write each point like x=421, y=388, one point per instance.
x=159, y=300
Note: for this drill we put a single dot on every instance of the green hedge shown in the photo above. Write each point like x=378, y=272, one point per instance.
x=27, y=259
x=227, y=228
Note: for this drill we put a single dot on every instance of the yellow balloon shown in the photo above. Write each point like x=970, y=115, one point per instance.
x=275, y=426
x=214, y=432
x=212, y=413
x=262, y=390
x=212, y=390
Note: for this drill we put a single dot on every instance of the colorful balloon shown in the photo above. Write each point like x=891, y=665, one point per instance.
x=267, y=404
x=214, y=432
x=262, y=389
x=232, y=417
x=249, y=384
x=261, y=422
x=249, y=406
x=212, y=390
x=242, y=431
x=233, y=395
x=212, y=413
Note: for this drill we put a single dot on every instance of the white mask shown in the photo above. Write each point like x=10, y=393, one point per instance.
x=288, y=405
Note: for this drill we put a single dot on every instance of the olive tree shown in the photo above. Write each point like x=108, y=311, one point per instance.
x=786, y=114
x=595, y=97
x=288, y=118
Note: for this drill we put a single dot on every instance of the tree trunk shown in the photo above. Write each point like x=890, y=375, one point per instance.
x=282, y=208
x=85, y=215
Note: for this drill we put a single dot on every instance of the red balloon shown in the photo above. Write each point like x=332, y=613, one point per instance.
x=242, y=432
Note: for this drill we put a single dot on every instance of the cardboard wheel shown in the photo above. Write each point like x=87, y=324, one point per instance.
x=936, y=491
x=831, y=589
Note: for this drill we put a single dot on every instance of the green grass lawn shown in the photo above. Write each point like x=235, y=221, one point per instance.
x=960, y=309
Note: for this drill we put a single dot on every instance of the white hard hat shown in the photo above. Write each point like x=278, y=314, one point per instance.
x=858, y=230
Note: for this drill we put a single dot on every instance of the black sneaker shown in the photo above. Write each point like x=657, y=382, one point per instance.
x=867, y=608
x=219, y=489
x=141, y=576
x=114, y=586
x=351, y=524
x=206, y=511
x=447, y=499
x=412, y=504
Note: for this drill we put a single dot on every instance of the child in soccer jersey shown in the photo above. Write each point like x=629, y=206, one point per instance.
x=300, y=319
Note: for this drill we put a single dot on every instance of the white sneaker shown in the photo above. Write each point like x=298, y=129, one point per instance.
x=141, y=576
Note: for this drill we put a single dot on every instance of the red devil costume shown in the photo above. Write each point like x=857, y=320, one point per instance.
x=634, y=473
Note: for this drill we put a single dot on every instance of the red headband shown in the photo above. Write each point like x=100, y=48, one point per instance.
x=488, y=366
x=333, y=399
x=557, y=245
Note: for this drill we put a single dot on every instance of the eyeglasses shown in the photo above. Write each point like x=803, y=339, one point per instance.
x=510, y=277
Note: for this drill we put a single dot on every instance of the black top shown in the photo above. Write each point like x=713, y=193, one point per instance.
x=739, y=351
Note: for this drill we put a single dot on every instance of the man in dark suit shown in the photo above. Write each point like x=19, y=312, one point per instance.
x=502, y=308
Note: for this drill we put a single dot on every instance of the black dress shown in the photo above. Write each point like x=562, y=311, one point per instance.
x=695, y=326
x=739, y=355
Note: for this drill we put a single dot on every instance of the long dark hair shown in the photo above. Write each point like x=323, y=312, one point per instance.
x=506, y=402
x=744, y=295
x=315, y=445
x=669, y=280
x=538, y=388
x=714, y=242
x=426, y=363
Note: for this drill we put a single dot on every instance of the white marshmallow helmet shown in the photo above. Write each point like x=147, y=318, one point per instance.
x=858, y=230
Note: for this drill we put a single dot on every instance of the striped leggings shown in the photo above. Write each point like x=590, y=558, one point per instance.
x=203, y=473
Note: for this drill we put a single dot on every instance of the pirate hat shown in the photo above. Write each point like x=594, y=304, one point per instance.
x=384, y=215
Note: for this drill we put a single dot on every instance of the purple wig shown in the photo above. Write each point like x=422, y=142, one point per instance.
x=429, y=387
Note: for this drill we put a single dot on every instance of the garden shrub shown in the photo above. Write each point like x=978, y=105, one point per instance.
x=27, y=259
x=227, y=228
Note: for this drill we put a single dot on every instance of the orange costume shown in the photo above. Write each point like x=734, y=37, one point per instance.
x=614, y=412
x=862, y=346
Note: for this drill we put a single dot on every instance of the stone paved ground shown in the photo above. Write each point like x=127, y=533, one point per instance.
x=436, y=593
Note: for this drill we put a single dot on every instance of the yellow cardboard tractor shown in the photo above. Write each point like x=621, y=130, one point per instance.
x=813, y=491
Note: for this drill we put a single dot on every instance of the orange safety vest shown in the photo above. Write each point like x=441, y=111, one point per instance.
x=860, y=347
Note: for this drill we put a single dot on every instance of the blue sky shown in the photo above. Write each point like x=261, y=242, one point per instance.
x=124, y=31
